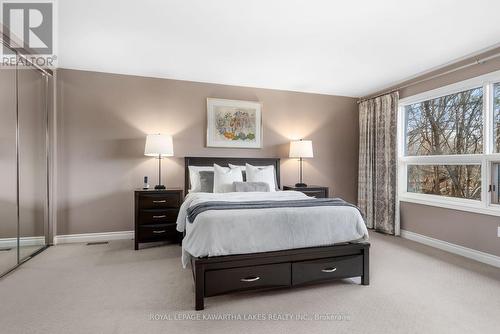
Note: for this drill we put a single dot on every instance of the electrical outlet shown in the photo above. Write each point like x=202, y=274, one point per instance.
x=498, y=232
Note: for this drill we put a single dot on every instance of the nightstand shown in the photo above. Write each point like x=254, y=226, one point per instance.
x=312, y=191
x=155, y=215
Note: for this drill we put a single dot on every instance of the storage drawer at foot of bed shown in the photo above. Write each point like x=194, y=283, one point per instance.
x=235, y=279
x=325, y=269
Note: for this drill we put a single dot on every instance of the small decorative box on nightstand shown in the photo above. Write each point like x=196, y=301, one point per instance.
x=155, y=215
x=312, y=191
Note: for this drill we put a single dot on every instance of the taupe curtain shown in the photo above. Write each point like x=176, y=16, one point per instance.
x=377, y=162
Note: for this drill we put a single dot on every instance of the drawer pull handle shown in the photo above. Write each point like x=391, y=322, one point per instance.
x=328, y=270
x=160, y=201
x=159, y=232
x=250, y=279
x=158, y=217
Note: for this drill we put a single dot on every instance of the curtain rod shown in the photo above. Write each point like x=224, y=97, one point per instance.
x=477, y=61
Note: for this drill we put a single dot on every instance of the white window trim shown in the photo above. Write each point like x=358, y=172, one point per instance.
x=484, y=206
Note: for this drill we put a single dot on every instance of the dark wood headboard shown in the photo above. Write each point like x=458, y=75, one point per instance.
x=224, y=162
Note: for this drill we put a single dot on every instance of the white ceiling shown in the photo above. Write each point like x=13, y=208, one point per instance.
x=350, y=48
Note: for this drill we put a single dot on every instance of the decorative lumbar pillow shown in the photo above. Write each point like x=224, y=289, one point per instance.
x=251, y=186
x=194, y=176
x=262, y=174
x=206, y=181
x=224, y=178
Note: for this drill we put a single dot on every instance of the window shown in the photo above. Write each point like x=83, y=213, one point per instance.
x=461, y=181
x=495, y=183
x=449, y=146
x=451, y=124
x=496, y=116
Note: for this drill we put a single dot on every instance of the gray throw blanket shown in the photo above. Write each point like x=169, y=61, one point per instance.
x=195, y=210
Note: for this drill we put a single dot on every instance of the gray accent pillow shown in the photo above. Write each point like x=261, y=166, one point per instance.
x=206, y=181
x=251, y=186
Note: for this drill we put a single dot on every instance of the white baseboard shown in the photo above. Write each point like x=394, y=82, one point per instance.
x=23, y=241
x=470, y=253
x=93, y=237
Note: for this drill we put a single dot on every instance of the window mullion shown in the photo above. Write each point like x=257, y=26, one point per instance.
x=460, y=159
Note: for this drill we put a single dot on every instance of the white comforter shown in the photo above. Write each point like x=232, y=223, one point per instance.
x=225, y=232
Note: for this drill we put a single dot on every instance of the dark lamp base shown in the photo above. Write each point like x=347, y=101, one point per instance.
x=300, y=185
x=160, y=186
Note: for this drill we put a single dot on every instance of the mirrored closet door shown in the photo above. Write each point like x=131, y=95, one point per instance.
x=32, y=113
x=24, y=157
x=8, y=170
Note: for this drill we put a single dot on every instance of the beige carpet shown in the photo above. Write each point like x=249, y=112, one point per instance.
x=8, y=258
x=114, y=289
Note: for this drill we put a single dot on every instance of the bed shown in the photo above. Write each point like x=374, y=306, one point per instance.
x=235, y=250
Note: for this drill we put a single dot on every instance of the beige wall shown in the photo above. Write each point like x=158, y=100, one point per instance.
x=470, y=230
x=103, y=120
x=467, y=229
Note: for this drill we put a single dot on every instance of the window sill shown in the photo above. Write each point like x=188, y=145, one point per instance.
x=451, y=203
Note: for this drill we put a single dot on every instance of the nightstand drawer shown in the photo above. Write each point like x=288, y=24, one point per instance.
x=157, y=232
x=311, y=191
x=314, y=193
x=157, y=216
x=159, y=201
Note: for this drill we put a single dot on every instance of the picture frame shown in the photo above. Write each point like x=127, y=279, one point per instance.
x=234, y=123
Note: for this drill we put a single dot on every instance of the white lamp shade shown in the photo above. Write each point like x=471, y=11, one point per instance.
x=159, y=144
x=301, y=149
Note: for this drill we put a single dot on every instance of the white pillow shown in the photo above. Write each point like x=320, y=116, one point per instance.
x=194, y=176
x=243, y=168
x=224, y=178
x=261, y=174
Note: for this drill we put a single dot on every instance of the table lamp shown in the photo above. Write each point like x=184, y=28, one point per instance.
x=159, y=146
x=301, y=149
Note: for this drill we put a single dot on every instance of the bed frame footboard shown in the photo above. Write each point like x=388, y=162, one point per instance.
x=280, y=269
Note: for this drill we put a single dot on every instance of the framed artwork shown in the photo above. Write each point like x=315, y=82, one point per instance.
x=233, y=123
